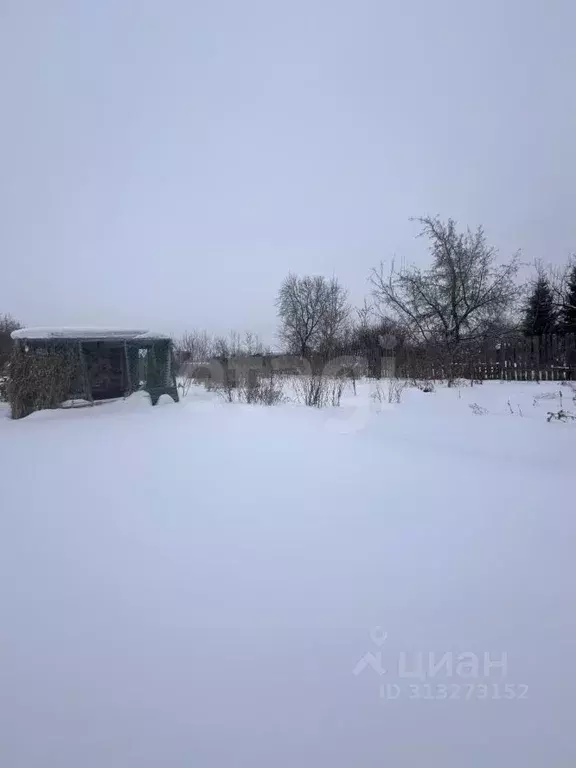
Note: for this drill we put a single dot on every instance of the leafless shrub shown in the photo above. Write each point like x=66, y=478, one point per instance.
x=226, y=390
x=3, y=388
x=379, y=396
x=423, y=385
x=224, y=385
x=262, y=390
x=253, y=389
x=391, y=393
x=353, y=378
x=337, y=387
x=478, y=410
x=199, y=374
x=312, y=390
x=271, y=390
x=184, y=383
x=7, y=325
x=248, y=390
x=395, y=389
x=42, y=378
x=346, y=368
x=354, y=371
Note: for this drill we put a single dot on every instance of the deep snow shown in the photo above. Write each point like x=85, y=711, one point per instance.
x=195, y=584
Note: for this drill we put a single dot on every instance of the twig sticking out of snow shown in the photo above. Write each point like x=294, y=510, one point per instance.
x=546, y=396
x=560, y=415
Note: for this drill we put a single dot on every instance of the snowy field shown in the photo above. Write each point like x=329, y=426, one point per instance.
x=213, y=585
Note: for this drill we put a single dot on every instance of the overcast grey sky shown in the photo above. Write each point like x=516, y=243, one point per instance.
x=166, y=163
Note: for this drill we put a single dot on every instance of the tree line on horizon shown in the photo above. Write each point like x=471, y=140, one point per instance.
x=464, y=298
x=464, y=295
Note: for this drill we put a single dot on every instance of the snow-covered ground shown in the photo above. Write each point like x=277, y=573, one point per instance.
x=217, y=585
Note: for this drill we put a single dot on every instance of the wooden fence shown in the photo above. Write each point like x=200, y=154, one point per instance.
x=536, y=358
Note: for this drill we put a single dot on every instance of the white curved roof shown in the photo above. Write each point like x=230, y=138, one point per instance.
x=86, y=334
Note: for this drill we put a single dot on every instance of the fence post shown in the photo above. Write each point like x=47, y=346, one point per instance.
x=571, y=355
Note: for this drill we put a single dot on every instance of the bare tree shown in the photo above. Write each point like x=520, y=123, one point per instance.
x=253, y=345
x=222, y=347
x=335, y=322
x=234, y=345
x=562, y=281
x=313, y=311
x=365, y=314
x=7, y=325
x=458, y=298
x=192, y=352
x=196, y=346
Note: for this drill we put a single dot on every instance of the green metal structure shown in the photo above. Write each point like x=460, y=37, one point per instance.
x=50, y=366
